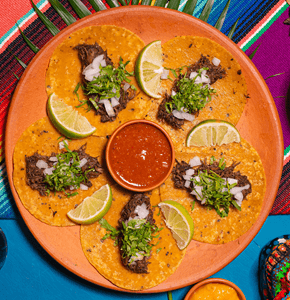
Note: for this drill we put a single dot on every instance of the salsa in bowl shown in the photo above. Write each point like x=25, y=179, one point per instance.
x=140, y=155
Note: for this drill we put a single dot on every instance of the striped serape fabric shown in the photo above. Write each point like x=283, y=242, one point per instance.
x=258, y=22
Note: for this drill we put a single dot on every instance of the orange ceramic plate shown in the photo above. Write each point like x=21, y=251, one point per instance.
x=258, y=124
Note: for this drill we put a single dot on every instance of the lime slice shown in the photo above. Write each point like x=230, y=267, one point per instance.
x=178, y=220
x=148, y=69
x=67, y=120
x=211, y=133
x=92, y=208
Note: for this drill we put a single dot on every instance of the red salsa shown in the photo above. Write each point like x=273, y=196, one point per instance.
x=140, y=155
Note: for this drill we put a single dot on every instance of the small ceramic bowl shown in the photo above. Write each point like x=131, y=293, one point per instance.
x=151, y=185
x=214, y=280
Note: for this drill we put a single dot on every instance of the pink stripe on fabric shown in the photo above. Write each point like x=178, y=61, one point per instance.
x=261, y=23
x=286, y=160
x=23, y=27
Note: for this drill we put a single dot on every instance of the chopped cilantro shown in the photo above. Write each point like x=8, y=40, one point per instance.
x=222, y=164
x=108, y=83
x=174, y=73
x=66, y=173
x=137, y=236
x=215, y=192
x=93, y=101
x=133, y=87
x=158, y=250
x=190, y=96
x=83, y=102
x=111, y=231
x=192, y=206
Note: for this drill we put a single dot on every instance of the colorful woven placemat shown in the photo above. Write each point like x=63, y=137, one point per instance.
x=258, y=25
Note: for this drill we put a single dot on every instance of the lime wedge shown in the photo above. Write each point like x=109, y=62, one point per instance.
x=92, y=208
x=67, y=120
x=178, y=220
x=211, y=133
x=148, y=69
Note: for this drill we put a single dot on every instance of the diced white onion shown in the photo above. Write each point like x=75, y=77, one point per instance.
x=138, y=256
x=197, y=178
x=48, y=171
x=194, y=162
x=109, y=108
x=159, y=71
x=53, y=158
x=224, y=190
x=177, y=114
x=232, y=180
x=203, y=72
x=91, y=77
x=142, y=211
x=126, y=86
x=186, y=177
x=103, y=63
x=164, y=74
x=216, y=61
x=197, y=191
x=96, y=62
x=238, y=189
x=88, y=71
x=192, y=75
x=198, y=80
x=103, y=101
x=187, y=184
x=205, y=79
x=189, y=172
x=83, y=161
x=72, y=187
x=61, y=144
x=114, y=101
x=173, y=93
x=41, y=164
x=83, y=187
x=187, y=116
x=93, y=69
x=239, y=196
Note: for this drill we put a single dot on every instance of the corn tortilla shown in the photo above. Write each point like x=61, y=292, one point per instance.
x=105, y=257
x=64, y=72
x=52, y=209
x=209, y=227
x=231, y=97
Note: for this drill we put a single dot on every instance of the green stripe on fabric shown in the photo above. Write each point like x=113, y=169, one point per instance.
x=21, y=20
x=286, y=151
x=264, y=29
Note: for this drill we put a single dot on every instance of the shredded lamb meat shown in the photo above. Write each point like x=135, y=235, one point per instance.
x=138, y=266
x=35, y=177
x=214, y=73
x=180, y=169
x=87, y=53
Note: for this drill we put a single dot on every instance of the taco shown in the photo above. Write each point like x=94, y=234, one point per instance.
x=48, y=200
x=70, y=73
x=206, y=72
x=238, y=170
x=106, y=257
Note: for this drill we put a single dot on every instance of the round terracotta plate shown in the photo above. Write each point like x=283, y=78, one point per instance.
x=259, y=125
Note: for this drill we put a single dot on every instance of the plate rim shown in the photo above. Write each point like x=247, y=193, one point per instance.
x=62, y=35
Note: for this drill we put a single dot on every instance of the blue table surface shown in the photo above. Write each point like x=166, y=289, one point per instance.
x=30, y=273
